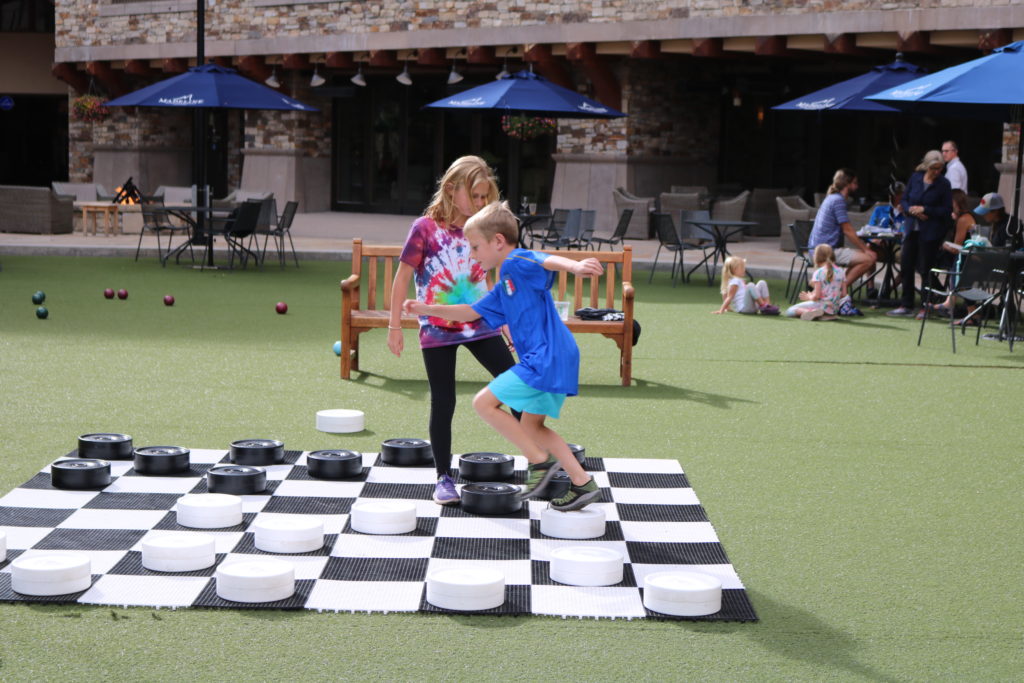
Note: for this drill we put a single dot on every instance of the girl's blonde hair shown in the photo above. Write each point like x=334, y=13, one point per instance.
x=841, y=179
x=931, y=158
x=467, y=172
x=729, y=270
x=824, y=256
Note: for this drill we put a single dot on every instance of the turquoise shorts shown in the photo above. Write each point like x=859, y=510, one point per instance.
x=517, y=395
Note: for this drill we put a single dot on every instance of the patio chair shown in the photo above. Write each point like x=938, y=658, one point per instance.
x=791, y=208
x=690, y=189
x=552, y=229
x=641, y=206
x=567, y=233
x=241, y=229
x=618, y=234
x=671, y=202
x=800, y=230
x=279, y=232
x=668, y=239
x=156, y=221
x=588, y=218
x=694, y=238
x=983, y=277
x=730, y=209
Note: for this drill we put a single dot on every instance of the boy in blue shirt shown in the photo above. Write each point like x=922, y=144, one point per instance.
x=548, y=367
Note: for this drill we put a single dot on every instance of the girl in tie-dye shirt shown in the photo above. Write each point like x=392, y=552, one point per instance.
x=436, y=256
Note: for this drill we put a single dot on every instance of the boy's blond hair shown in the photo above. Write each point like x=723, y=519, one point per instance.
x=494, y=219
x=465, y=172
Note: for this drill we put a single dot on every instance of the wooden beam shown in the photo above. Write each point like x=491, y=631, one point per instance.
x=383, y=58
x=339, y=60
x=139, y=67
x=431, y=56
x=481, y=54
x=990, y=40
x=296, y=62
x=645, y=49
x=915, y=41
x=843, y=44
x=547, y=65
x=771, y=46
x=175, y=66
x=707, y=47
x=67, y=72
x=254, y=67
x=108, y=78
x=606, y=87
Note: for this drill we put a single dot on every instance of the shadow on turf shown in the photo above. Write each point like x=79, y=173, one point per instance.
x=641, y=389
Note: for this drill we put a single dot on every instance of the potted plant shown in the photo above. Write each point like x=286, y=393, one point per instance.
x=527, y=127
x=89, y=108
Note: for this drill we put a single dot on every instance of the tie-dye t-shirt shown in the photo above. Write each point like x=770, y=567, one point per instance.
x=445, y=274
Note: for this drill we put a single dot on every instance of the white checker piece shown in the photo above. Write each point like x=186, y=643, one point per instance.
x=224, y=541
x=180, y=485
x=305, y=566
x=540, y=548
x=113, y=519
x=723, y=572
x=655, y=496
x=611, y=513
x=371, y=545
x=515, y=571
x=669, y=532
x=359, y=596
x=101, y=560
x=160, y=591
x=587, y=601
x=333, y=524
x=48, y=498
x=645, y=465
x=483, y=527
x=319, y=489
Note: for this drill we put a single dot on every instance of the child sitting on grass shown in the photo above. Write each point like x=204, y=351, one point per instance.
x=829, y=283
x=548, y=367
x=741, y=296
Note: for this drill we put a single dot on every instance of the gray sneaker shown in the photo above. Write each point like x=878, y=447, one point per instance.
x=577, y=497
x=538, y=476
x=812, y=314
x=445, y=492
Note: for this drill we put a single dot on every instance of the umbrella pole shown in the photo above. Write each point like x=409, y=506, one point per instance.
x=514, y=153
x=199, y=121
x=1016, y=239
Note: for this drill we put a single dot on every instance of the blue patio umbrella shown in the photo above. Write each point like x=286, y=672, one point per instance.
x=988, y=88
x=527, y=92
x=849, y=95
x=210, y=86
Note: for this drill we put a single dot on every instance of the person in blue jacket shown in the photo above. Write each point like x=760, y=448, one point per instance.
x=549, y=360
x=928, y=209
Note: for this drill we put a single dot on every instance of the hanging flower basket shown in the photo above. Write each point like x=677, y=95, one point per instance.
x=527, y=127
x=89, y=108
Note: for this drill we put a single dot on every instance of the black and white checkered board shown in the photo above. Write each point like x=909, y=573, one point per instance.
x=654, y=520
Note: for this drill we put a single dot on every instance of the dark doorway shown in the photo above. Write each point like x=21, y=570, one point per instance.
x=34, y=138
x=389, y=152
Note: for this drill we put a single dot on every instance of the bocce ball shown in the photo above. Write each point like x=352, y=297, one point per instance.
x=108, y=293
x=337, y=348
x=122, y=294
x=168, y=300
x=39, y=297
x=41, y=313
x=281, y=307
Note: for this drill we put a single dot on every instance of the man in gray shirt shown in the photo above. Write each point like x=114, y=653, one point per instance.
x=956, y=174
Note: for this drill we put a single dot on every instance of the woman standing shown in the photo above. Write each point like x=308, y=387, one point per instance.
x=437, y=255
x=928, y=206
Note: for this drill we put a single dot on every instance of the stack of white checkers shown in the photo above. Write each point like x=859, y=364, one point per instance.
x=340, y=421
x=262, y=580
x=179, y=552
x=57, y=574
x=209, y=510
x=466, y=589
x=683, y=594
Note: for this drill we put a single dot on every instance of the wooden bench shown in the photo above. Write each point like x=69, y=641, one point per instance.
x=366, y=299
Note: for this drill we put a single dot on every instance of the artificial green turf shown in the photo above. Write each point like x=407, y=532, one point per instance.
x=866, y=490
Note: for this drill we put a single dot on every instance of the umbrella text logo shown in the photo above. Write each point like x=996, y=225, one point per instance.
x=181, y=101
x=472, y=102
x=910, y=93
x=819, y=104
x=586, y=106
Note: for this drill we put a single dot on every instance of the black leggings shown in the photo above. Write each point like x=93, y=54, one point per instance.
x=916, y=256
x=440, y=364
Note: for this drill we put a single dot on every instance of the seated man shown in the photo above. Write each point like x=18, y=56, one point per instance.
x=832, y=221
x=992, y=210
x=891, y=216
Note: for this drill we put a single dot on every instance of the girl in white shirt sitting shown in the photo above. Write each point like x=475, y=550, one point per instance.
x=740, y=296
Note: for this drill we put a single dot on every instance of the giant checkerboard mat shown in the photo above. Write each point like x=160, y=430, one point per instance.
x=654, y=520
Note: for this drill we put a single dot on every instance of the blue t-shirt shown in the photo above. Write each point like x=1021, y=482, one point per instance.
x=549, y=359
x=831, y=215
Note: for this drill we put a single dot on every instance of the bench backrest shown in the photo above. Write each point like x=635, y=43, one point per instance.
x=379, y=262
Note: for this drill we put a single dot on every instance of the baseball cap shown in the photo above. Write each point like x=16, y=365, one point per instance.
x=990, y=202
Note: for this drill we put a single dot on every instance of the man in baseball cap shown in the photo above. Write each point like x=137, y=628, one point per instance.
x=993, y=201
x=992, y=210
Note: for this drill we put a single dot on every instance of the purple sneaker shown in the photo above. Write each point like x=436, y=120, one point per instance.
x=444, y=491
